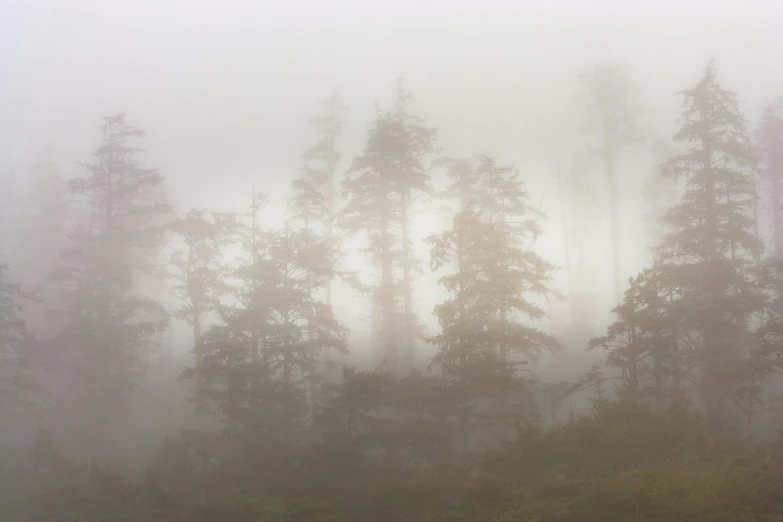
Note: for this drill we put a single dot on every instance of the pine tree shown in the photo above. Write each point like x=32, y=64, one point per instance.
x=199, y=270
x=771, y=134
x=18, y=355
x=758, y=387
x=42, y=224
x=659, y=193
x=611, y=117
x=41, y=231
x=769, y=337
x=642, y=341
x=261, y=355
x=108, y=322
x=8, y=208
x=710, y=253
x=581, y=213
x=379, y=191
x=232, y=370
x=413, y=179
x=304, y=326
x=496, y=279
x=314, y=206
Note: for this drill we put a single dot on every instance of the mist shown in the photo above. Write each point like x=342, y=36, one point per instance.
x=226, y=93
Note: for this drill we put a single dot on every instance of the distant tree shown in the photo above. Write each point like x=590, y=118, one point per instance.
x=768, y=351
x=43, y=223
x=642, y=341
x=581, y=209
x=303, y=326
x=261, y=355
x=8, y=207
x=771, y=138
x=19, y=358
x=314, y=205
x=41, y=229
x=660, y=193
x=495, y=280
x=710, y=254
x=379, y=190
x=108, y=322
x=611, y=119
x=199, y=270
x=413, y=179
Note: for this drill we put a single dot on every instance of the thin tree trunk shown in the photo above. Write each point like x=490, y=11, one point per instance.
x=389, y=327
x=777, y=214
x=409, y=327
x=566, y=247
x=617, y=277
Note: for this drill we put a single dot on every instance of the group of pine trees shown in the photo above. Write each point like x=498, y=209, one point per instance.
x=703, y=318
x=288, y=434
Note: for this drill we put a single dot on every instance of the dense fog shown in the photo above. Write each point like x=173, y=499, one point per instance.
x=404, y=261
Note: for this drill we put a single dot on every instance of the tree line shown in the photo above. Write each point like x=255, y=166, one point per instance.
x=287, y=433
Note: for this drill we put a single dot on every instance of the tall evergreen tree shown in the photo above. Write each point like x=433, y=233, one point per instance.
x=314, y=204
x=413, y=180
x=496, y=279
x=611, y=118
x=769, y=337
x=108, y=322
x=41, y=230
x=660, y=193
x=581, y=213
x=261, y=355
x=18, y=355
x=8, y=207
x=199, y=271
x=642, y=341
x=42, y=225
x=379, y=192
x=710, y=253
x=771, y=137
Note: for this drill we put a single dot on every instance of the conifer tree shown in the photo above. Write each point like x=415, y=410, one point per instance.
x=314, y=204
x=108, y=321
x=18, y=355
x=8, y=208
x=303, y=326
x=41, y=230
x=709, y=255
x=42, y=225
x=379, y=191
x=611, y=118
x=260, y=357
x=581, y=213
x=768, y=338
x=198, y=270
x=771, y=138
x=232, y=369
x=495, y=280
x=660, y=193
x=413, y=180
x=642, y=342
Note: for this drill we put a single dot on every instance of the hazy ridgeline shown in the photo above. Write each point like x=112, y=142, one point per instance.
x=463, y=302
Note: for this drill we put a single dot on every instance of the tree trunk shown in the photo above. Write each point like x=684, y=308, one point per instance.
x=388, y=313
x=617, y=277
x=409, y=326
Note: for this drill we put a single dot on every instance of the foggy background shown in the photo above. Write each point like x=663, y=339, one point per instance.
x=224, y=91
